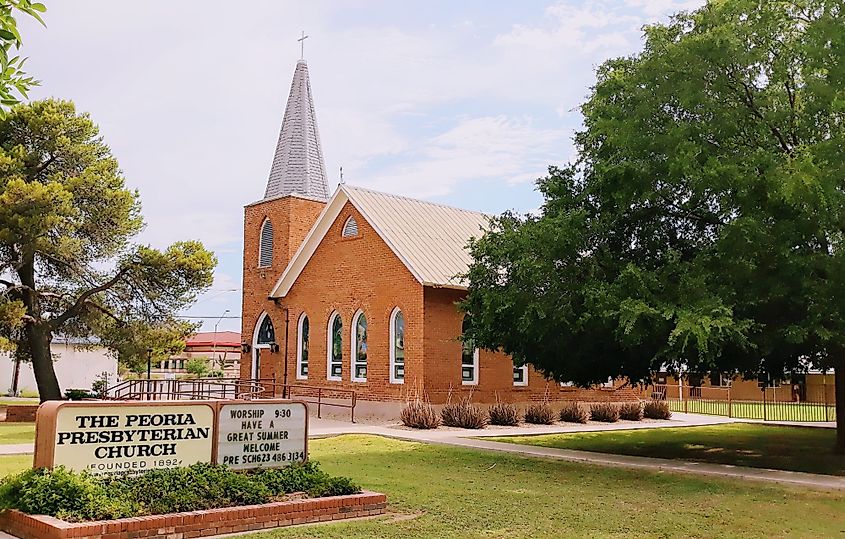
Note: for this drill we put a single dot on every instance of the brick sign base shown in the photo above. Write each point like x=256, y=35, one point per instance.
x=198, y=523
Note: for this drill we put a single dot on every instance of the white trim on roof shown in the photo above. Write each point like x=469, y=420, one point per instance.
x=434, y=253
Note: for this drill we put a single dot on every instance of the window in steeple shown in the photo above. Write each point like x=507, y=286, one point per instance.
x=265, y=245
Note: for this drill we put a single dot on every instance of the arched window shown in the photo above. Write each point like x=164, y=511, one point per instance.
x=334, y=345
x=350, y=228
x=266, y=333
x=397, y=347
x=262, y=339
x=469, y=357
x=359, y=347
x=265, y=245
x=302, y=348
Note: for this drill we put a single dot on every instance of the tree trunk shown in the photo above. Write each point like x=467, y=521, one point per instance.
x=39, y=335
x=839, y=395
x=42, y=363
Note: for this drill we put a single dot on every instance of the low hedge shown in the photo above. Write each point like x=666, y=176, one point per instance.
x=76, y=497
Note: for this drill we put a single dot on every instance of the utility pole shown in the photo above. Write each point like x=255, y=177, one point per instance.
x=214, y=342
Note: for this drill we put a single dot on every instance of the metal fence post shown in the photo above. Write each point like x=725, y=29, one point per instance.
x=824, y=393
x=729, y=403
x=765, y=416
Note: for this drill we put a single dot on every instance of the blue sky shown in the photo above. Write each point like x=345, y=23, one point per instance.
x=464, y=103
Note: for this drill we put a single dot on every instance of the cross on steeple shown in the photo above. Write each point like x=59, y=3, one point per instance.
x=302, y=45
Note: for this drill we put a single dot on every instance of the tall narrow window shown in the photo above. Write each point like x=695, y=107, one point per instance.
x=520, y=375
x=302, y=348
x=359, y=348
x=265, y=245
x=335, y=348
x=397, y=347
x=469, y=357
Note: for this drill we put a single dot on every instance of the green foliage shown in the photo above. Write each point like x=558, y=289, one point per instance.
x=657, y=410
x=540, y=413
x=701, y=226
x=575, y=412
x=132, y=341
x=67, y=221
x=64, y=494
x=79, y=394
x=606, y=412
x=14, y=82
x=101, y=385
x=504, y=413
x=198, y=366
x=80, y=496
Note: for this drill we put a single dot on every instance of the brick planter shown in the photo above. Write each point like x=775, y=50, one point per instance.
x=198, y=523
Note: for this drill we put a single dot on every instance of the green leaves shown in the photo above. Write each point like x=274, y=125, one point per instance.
x=67, y=224
x=14, y=82
x=701, y=226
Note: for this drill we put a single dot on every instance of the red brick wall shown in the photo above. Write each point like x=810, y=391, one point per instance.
x=292, y=218
x=345, y=275
x=348, y=274
x=202, y=523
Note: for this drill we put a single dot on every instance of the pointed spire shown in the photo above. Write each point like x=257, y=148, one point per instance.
x=298, y=166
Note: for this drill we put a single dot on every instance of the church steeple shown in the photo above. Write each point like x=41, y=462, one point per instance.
x=298, y=166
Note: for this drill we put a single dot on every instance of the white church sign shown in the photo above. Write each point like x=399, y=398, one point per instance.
x=262, y=434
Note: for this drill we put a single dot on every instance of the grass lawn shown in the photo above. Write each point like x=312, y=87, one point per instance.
x=802, y=449
x=12, y=464
x=4, y=401
x=455, y=492
x=16, y=433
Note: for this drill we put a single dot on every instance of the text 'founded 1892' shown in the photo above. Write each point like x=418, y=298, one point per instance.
x=261, y=435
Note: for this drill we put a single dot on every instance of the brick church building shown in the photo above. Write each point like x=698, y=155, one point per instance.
x=357, y=289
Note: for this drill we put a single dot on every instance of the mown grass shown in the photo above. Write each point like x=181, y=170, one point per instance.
x=453, y=492
x=16, y=433
x=801, y=449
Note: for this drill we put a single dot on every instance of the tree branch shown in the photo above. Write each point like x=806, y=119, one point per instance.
x=74, y=309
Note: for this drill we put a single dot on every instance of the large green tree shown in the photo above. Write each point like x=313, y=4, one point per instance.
x=67, y=260
x=702, y=225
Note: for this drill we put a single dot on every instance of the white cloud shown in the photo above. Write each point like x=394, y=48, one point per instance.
x=489, y=147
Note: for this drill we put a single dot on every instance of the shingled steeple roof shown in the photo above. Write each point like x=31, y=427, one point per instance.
x=298, y=167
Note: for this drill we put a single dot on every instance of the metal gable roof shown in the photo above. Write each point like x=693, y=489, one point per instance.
x=430, y=239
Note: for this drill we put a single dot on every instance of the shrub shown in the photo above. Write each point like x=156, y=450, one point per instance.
x=419, y=414
x=575, y=412
x=631, y=411
x=657, y=410
x=464, y=414
x=64, y=494
x=503, y=413
x=333, y=486
x=540, y=414
x=76, y=496
x=606, y=412
x=78, y=394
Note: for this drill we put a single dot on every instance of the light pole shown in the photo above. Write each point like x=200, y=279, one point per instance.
x=214, y=342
